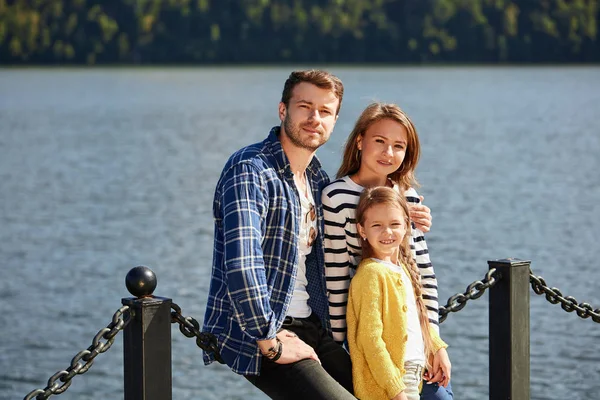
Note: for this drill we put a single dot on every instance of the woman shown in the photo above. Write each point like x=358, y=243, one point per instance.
x=383, y=149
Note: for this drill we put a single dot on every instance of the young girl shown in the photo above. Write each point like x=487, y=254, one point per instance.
x=382, y=150
x=389, y=335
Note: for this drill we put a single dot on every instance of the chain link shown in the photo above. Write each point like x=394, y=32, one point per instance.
x=190, y=328
x=568, y=303
x=81, y=363
x=474, y=291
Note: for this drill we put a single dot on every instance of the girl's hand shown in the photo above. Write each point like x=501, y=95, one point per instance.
x=420, y=215
x=400, y=396
x=442, y=369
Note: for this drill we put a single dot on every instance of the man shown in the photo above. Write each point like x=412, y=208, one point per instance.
x=267, y=301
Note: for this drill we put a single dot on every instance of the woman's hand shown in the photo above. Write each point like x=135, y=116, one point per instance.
x=421, y=215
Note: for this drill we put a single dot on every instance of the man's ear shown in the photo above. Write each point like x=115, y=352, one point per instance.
x=282, y=111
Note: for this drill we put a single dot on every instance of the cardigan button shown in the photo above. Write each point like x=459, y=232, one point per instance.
x=404, y=308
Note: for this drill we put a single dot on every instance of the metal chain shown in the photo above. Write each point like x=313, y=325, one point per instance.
x=568, y=303
x=83, y=360
x=190, y=328
x=474, y=291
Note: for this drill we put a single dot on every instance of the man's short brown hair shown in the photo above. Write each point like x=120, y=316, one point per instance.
x=319, y=78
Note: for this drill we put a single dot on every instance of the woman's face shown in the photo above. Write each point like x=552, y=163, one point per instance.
x=383, y=147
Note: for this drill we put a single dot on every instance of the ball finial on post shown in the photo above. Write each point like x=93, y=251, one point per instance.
x=140, y=281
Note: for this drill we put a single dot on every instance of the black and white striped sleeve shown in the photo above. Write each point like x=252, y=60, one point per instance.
x=337, y=261
x=421, y=256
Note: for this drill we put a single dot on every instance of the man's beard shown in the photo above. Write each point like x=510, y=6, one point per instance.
x=293, y=132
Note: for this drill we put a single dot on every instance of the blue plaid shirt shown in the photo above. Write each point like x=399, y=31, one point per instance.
x=257, y=217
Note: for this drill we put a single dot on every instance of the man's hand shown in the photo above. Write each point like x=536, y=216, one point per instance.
x=421, y=215
x=441, y=369
x=294, y=349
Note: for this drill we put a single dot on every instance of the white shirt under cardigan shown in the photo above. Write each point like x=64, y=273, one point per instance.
x=343, y=252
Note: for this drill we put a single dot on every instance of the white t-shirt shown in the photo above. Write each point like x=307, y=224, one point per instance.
x=299, y=307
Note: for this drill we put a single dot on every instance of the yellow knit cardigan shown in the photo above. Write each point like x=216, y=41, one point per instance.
x=376, y=318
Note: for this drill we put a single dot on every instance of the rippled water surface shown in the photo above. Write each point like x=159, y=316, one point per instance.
x=105, y=169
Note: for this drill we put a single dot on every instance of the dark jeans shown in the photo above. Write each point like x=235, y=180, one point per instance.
x=307, y=379
x=436, y=392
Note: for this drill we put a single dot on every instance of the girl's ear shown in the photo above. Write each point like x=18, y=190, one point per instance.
x=361, y=231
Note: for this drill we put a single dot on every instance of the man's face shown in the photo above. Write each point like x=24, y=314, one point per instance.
x=310, y=117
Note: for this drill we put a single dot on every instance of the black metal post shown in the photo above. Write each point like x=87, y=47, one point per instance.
x=147, y=340
x=509, y=331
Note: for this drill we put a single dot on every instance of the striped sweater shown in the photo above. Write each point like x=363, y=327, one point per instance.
x=343, y=252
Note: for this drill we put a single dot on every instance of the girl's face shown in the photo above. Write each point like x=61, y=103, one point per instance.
x=384, y=227
x=383, y=147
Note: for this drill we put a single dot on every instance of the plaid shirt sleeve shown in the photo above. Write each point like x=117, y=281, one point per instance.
x=243, y=206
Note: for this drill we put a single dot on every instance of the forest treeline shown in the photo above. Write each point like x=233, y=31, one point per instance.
x=286, y=31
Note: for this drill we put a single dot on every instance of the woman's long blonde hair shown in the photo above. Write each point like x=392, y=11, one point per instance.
x=371, y=197
x=404, y=176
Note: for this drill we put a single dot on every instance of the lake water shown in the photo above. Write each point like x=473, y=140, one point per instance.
x=105, y=169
